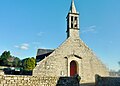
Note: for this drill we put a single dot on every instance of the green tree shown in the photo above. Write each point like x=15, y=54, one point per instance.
x=16, y=62
x=4, y=58
x=7, y=60
x=29, y=64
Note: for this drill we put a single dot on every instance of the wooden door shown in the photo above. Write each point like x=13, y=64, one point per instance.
x=73, y=68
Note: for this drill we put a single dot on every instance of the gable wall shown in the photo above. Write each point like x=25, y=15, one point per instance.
x=58, y=63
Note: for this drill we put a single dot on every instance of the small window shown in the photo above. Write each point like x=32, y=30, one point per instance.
x=71, y=24
x=76, y=18
x=76, y=25
x=71, y=18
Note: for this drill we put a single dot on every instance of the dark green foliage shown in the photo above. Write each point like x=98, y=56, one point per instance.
x=5, y=55
x=17, y=62
x=29, y=63
x=4, y=58
x=7, y=60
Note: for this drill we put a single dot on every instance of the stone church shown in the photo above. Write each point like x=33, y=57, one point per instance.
x=72, y=57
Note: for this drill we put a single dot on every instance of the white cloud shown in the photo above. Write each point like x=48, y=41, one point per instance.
x=16, y=46
x=23, y=46
x=91, y=29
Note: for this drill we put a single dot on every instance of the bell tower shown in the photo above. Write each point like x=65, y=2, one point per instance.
x=72, y=22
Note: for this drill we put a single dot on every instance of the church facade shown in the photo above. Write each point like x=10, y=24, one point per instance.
x=72, y=57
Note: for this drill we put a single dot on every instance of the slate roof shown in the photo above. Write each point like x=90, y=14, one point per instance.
x=42, y=53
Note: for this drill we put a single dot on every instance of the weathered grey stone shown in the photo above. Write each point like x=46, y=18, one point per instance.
x=88, y=63
x=28, y=81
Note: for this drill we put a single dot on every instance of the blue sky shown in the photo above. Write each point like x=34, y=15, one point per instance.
x=26, y=25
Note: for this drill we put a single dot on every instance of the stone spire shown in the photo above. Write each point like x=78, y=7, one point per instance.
x=72, y=7
x=72, y=22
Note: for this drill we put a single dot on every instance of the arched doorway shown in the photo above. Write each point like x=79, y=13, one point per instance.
x=73, y=68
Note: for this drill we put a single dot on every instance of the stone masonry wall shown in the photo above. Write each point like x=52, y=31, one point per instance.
x=27, y=81
x=58, y=62
x=6, y=80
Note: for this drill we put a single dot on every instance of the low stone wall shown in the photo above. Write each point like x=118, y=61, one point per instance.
x=107, y=81
x=27, y=81
x=1, y=72
x=6, y=80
